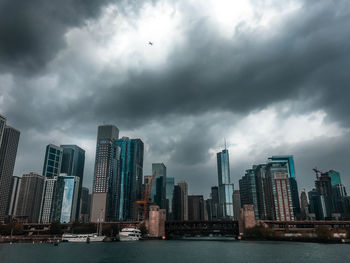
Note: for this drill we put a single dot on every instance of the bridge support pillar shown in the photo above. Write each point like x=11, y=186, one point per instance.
x=247, y=218
x=156, y=221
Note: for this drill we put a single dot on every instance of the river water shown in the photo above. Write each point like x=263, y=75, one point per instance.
x=177, y=251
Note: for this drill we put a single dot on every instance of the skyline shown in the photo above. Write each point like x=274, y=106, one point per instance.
x=270, y=77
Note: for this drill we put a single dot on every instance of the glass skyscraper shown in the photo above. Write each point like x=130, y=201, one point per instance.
x=53, y=161
x=335, y=177
x=225, y=186
x=158, y=193
x=170, y=184
x=8, y=153
x=105, y=175
x=130, y=173
x=73, y=160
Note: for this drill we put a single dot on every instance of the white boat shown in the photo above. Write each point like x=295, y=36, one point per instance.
x=82, y=238
x=129, y=234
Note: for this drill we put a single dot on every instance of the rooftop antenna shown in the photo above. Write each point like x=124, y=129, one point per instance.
x=225, y=143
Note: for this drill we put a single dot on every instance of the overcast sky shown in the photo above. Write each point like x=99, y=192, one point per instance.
x=270, y=76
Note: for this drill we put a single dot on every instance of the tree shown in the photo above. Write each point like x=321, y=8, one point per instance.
x=143, y=229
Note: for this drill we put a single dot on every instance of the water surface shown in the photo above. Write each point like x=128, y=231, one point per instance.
x=177, y=251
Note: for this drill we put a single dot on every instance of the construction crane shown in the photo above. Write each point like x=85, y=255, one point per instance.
x=146, y=200
x=318, y=172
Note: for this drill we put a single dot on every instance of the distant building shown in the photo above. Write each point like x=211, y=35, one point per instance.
x=29, y=199
x=85, y=200
x=180, y=202
x=236, y=204
x=249, y=191
x=170, y=184
x=225, y=185
x=73, y=161
x=335, y=177
x=304, y=205
x=47, y=199
x=15, y=190
x=158, y=193
x=289, y=160
x=129, y=182
x=8, y=152
x=66, y=199
x=279, y=196
x=196, y=208
x=53, y=161
x=105, y=175
x=214, y=203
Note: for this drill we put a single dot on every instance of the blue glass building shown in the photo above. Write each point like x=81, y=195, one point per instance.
x=335, y=177
x=158, y=193
x=170, y=184
x=53, y=161
x=130, y=173
x=225, y=186
x=73, y=161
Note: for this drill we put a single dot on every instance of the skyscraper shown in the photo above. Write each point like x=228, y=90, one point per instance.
x=85, y=201
x=236, y=204
x=170, y=183
x=158, y=192
x=225, y=186
x=196, y=208
x=73, y=160
x=105, y=175
x=214, y=203
x=15, y=190
x=335, y=177
x=304, y=205
x=289, y=159
x=30, y=196
x=53, y=161
x=8, y=152
x=180, y=202
x=278, y=192
x=130, y=173
x=47, y=199
x=2, y=127
x=66, y=199
x=248, y=191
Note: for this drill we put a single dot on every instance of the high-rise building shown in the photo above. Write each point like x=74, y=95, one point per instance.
x=30, y=196
x=158, y=192
x=15, y=190
x=338, y=195
x=8, y=152
x=53, y=161
x=335, y=177
x=196, y=208
x=129, y=183
x=47, y=199
x=225, y=186
x=236, y=204
x=279, y=196
x=66, y=199
x=180, y=202
x=170, y=183
x=215, y=203
x=73, y=161
x=2, y=127
x=85, y=199
x=289, y=159
x=249, y=191
x=304, y=204
x=104, y=196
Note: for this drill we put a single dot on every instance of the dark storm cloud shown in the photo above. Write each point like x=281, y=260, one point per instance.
x=306, y=58
x=302, y=61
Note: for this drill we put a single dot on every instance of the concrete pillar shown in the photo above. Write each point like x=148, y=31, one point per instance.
x=247, y=218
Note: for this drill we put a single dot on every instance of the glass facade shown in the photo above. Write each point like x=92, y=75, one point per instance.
x=158, y=193
x=69, y=198
x=335, y=177
x=225, y=186
x=53, y=161
x=73, y=161
x=170, y=183
x=129, y=183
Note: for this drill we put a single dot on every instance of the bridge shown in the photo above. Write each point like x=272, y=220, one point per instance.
x=204, y=228
x=305, y=225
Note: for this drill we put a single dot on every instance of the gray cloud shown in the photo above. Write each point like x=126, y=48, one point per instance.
x=302, y=62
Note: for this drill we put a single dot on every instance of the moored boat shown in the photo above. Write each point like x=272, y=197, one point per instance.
x=82, y=238
x=129, y=234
